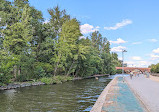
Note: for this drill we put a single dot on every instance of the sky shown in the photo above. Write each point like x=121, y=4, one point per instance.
x=132, y=25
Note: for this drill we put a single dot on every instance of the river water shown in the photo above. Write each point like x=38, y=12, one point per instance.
x=72, y=96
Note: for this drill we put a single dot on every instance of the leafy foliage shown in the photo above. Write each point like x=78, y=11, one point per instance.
x=154, y=68
x=53, y=51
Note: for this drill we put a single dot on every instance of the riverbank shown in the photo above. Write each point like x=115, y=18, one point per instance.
x=20, y=84
x=42, y=81
x=46, y=80
x=101, y=99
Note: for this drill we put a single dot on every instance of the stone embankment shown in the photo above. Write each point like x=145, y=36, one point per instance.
x=101, y=99
x=27, y=84
x=118, y=97
x=18, y=85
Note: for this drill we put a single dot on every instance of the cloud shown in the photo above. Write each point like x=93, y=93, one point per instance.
x=137, y=63
x=86, y=28
x=82, y=37
x=120, y=58
x=117, y=49
x=118, y=41
x=153, y=40
x=46, y=21
x=143, y=63
x=119, y=25
x=154, y=57
x=129, y=62
x=136, y=58
x=135, y=43
x=156, y=50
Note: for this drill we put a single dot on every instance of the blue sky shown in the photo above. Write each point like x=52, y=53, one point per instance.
x=131, y=25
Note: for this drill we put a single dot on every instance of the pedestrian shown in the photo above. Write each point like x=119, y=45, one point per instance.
x=147, y=74
x=131, y=75
x=138, y=74
x=135, y=74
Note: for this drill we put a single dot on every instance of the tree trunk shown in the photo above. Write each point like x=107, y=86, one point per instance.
x=76, y=73
x=19, y=70
x=56, y=68
x=57, y=65
x=15, y=71
x=70, y=68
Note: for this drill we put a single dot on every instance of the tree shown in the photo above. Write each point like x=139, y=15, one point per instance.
x=67, y=48
x=32, y=49
x=58, y=18
x=154, y=68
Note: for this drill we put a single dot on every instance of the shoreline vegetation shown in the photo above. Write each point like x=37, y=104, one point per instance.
x=32, y=49
x=45, y=81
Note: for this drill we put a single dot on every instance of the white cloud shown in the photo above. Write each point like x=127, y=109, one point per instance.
x=153, y=40
x=144, y=63
x=154, y=57
x=120, y=58
x=156, y=50
x=117, y=49
x=136, y=58
x=135, y=43
x=138, y=63
x=86, y=28
x=118, y=41
x=46, y=21
x=119, y=25
x=129, y=62
x=82, y=37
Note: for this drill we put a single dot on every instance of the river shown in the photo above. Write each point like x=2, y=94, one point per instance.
x=72, y=96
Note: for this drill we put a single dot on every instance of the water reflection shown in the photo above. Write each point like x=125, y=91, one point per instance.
x=73, y=96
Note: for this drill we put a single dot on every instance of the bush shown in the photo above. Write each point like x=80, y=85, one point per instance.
x=69, y=78
x=46, y=80
x=55, y=79
x=39, y=72
x=21, y=78
x=4, y=79
x=59, y=79
x=119, y=71
x=46, y=66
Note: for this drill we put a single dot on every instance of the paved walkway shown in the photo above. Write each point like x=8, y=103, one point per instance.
x=121, y=99
x=147, y=90
x=155, y=78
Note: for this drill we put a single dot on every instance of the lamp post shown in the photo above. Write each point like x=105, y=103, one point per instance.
x=123, y=60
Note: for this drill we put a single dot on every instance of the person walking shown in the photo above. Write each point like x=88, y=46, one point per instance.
x=147, y=74
x=131, y=74
x=138, y=74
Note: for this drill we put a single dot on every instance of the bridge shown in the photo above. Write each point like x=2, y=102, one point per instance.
x=130, y=69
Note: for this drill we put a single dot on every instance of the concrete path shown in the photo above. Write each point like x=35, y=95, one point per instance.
x=101, y=99
x=147, y=90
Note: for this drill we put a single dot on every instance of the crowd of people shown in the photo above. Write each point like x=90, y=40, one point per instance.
x=137, y=74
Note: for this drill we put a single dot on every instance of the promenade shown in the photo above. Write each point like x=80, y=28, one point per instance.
x=118, y=97
x=147, y=91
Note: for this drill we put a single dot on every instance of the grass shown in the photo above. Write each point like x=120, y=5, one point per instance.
x=55, y=79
